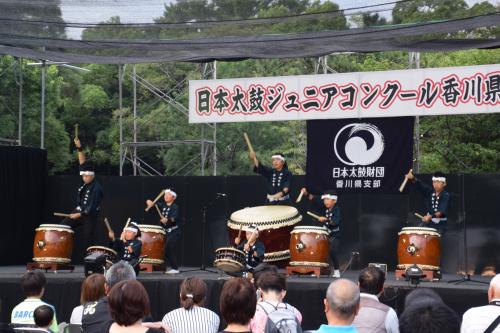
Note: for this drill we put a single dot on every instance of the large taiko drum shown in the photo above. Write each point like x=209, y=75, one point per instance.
x=229, y=259
x=110, y=254
x=53, y=244
x=309, y=246
x=153, y=244
x=274, y=223
x=420, y=246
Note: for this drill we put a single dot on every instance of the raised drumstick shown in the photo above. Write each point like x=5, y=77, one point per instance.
x=249, y=144
x=239, y=232
x=317, y=217
x=106, y=222
x=419, y=216
x=155, y=200
x=76, y=131
x=158, y=210
x=403, y=184
x=61, y=214
x=299, y=197
x=128, y=221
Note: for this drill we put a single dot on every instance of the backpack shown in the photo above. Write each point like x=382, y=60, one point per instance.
x=280, y=319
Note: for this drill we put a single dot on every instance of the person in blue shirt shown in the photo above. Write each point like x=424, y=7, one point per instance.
x=437, y=201
x=341, y=306
x=278, y=178
x=171, y=222
x=326, y=206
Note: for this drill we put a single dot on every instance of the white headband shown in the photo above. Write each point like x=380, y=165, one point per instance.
x=329, y=196
x=87, y=173
x=171, y=192
x=439, y=179
x=189, y=295
x=279, y=157
x=130, y=229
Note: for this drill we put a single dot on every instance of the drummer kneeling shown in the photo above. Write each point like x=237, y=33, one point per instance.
x=128, y=246
x=254, y=249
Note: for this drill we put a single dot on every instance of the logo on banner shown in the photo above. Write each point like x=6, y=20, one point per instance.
x=359, y=144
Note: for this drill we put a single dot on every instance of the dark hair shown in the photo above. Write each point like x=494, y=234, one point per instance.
x=439, y=174
x=421, y=294
x=429, y=316
x=371, y=280
x=272, y=281
x=261, y=269
x=193, y=291
x=128, y=302
x=33, y=283
x=43, y=315
x=92, y=288
x=238, y=301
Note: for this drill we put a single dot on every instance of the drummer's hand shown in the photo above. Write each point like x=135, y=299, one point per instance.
x=149, y=203
x=111, y=235
x=77, y=142
x=304, y=191
x=427, y=218
x=75, y=216
x=164, y=220
x=246, y=247
x=122, y=236
x=130, y=249
x=255, y=254
x=322, y=219
x=410, y=175
x=237, y=241
x=278, y=195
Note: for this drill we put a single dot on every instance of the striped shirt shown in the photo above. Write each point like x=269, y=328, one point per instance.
x=195, y=320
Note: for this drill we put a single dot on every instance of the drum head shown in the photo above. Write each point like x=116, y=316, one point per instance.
x=96, y=248
x=228, y=265
x=151, y=228
x=309, y=229
x=55, y=227
x=265, y=217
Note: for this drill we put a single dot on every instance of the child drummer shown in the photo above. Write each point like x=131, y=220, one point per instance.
x=128, y=246
x=254, y=249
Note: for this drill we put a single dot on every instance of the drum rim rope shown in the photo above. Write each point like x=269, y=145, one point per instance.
x=152, y=228
x=421, y=266
x=419, y=232
x=277, y=256
x=309, y=229
x=54, y=227
x=102, y=248
x=57, y=260
x=229, y=248
x=308, y=263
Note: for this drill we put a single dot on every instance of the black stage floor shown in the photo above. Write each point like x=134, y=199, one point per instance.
x=306, y=293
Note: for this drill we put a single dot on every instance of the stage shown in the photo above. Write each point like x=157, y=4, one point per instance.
x=304, y=292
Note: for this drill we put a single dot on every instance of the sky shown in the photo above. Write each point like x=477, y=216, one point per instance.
x=146, y=10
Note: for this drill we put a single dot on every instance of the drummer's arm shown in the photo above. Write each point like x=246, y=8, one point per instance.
x=81, y=154
x=335, y=220
x=136, y=249
x=259, y=250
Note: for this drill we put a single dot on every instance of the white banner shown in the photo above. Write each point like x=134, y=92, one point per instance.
x=417, y=92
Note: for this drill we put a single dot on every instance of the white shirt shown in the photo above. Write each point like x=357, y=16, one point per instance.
x=196, y=320
x=23, y=313
x=76, y=315
x=477, y=320
x=391, y=319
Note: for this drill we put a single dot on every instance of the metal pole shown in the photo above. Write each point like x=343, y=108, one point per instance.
x=20, y=123
x=120, y=106
x=415, y=62
x=135, y=120
x=215, y=129
x=42, y=118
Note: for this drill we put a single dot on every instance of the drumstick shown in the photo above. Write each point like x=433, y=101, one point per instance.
x=419, y=216
x=317, y=217
x=403, y=184
x=76, y=131
x=62, y=215
x=126, y=224
x=239, y=232
x=156, y=199
x=299, y=197
x=106, y=222
x=158, y=210
x=249, y=144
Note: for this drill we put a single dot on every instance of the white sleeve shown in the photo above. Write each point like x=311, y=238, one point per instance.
x=391, y=322
x=76, y=315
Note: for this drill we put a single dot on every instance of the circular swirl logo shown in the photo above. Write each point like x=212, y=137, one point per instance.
x=359, y=144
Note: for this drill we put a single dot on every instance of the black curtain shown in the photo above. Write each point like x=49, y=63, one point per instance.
x=23, y=175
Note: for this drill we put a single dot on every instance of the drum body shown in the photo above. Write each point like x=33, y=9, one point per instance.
x=153, y=239
x=229, y=260
x=275, y=224
x=109, y=253
x=309, y=246
x=420, y=246
x=53, y=244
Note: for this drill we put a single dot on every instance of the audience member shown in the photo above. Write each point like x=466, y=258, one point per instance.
x=419, y=294
x=341, y=306
x=92, y=291
x=373, y=316
x=33, y=285
x=43, y=316
x=237, y=305
x=427, y=315
x=477, y=320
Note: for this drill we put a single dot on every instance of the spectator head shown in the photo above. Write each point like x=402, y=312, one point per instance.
x=92, y=288
x=193, y=292
x=341, y=302
x=421, y=294
x=371, y=280
x=273, y=286
x=494, y=290
x=33, y=284
x=238, y=301
x=43, y=316
x=260, y=269
x=128, y=302
x=121, y=271
x=429, y=316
